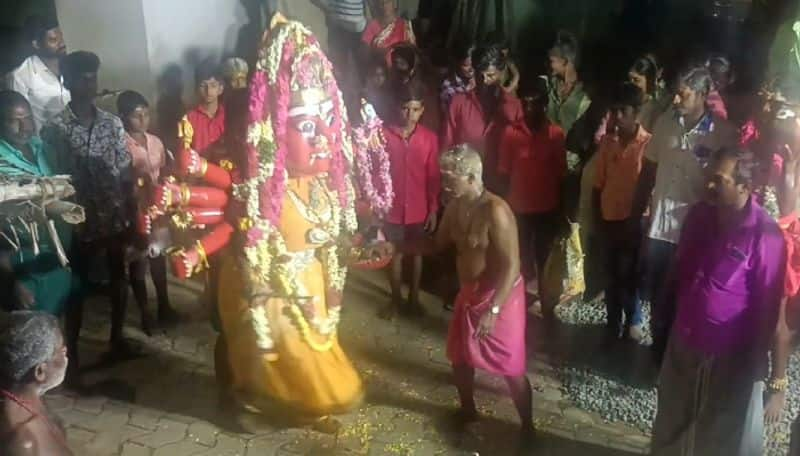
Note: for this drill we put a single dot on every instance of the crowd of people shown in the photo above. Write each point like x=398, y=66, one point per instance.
x=678, y=194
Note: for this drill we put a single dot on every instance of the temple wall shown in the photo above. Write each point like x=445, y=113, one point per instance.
x=139, y=40
x=115, y=31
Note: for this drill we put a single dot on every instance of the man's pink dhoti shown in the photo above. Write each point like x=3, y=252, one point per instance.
x=503, y=351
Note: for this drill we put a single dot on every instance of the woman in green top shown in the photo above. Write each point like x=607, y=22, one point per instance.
x=43, y=282
x=567, y=101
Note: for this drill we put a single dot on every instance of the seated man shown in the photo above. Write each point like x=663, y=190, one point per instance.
x=37, y=276
x=33, y=360
x=488, y=326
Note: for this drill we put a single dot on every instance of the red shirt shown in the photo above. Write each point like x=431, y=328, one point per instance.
x=415, y=174
x=466, y=123
x=207, y=130
x=536, y=162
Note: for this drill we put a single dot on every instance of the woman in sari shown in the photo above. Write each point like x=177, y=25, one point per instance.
x=387, y=30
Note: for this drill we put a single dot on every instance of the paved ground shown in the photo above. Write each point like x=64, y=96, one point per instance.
x=166, y=402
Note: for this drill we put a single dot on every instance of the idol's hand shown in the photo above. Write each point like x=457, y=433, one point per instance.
x=486, y=325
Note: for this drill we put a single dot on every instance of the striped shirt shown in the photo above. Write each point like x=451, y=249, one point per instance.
x=348, y=14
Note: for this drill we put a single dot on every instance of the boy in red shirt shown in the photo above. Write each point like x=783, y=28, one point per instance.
x=413, y=154
x=205, y=124
x=203, y=130
x=532, y=163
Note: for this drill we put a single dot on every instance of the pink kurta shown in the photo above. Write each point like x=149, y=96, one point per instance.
x=503, y=351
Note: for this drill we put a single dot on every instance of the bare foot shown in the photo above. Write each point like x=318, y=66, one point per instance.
x=147, y=324
x=120, y=351
x=253, y=423
x=414, y=308
x=462, y=417
x=527, y=438
x=388, y=312
x=327, y=425
x=167, y=316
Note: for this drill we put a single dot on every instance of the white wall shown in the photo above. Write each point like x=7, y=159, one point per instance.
x=308, y=14
x=185, y=32
x=138, y=39
x=115, y=31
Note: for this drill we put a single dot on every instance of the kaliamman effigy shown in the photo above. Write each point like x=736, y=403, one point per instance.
x=287, y=209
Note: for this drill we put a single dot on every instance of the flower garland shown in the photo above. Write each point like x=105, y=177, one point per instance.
x=370, y=147
x=291, y=47
x=769, y=200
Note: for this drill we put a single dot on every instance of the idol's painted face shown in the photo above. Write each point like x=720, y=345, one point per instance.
x=310, y=136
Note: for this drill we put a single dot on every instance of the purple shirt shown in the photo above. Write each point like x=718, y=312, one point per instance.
x=729, y=284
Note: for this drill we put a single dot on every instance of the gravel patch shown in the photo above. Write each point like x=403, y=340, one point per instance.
x=611, y=398
x=616, y=401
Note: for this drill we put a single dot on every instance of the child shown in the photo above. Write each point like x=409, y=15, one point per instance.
x=619, y=162
x=207, y=120
x=148, y=158
x=206, y=124
x=375, y=89
x=413, y=154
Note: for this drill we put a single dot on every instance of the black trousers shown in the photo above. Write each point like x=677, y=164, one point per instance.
x=158, y=273
x=537, y=233
x=81, y=257
x=622, y=259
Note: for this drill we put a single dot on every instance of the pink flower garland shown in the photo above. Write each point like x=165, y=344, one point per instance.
x=370, y=144
x=265, y=100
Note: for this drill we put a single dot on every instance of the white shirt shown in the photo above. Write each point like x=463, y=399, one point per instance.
x=681, y=157
x=44, y=90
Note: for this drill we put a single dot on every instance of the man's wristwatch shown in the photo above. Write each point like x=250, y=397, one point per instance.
x=495, y=310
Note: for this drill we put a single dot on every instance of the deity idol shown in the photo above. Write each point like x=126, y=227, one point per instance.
x=289, y=208
x=281, y=291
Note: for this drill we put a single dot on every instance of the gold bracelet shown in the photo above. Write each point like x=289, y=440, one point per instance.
x=202, y=264
x=779, y=384
x=186, y=194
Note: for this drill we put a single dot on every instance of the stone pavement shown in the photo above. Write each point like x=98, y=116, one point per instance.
x=166, y=402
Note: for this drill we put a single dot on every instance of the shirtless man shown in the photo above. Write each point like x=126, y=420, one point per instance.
x=488, y=326
x=33, y=360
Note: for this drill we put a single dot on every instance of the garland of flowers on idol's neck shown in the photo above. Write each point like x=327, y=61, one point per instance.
x=270, y=93
x=372, y=162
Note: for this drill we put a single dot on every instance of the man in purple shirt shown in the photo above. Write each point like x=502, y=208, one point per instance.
x=728, y=278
